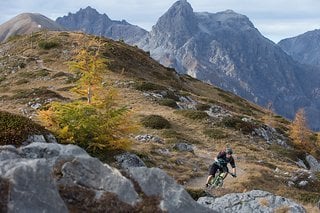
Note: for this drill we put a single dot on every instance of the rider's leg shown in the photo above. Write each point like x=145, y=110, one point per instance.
x=212, y=172
x=225, y=171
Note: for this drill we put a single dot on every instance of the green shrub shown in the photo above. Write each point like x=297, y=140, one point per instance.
x=168, y=102
x=215, y=133
x=15, y=129
x=148, y=86
x=202, y=107
x=155, y=122
x=238, y=124
x=48, y=44
x=193, y=114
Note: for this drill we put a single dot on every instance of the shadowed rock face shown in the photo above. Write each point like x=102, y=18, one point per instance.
x=26, y=23
x=304, y=48
x=252, y=201
x=90, y=21
x=225, y=49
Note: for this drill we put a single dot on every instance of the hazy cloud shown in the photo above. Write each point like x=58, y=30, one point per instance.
x=275, y=19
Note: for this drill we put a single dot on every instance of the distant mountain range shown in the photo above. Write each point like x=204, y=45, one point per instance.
x=90, y=21
x=224, y=49
x=304, y=48
x=27, y=23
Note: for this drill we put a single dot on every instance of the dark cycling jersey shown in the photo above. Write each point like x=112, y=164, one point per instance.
x=223, y=160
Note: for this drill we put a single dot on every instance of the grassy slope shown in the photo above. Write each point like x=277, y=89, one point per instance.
x=44, y=74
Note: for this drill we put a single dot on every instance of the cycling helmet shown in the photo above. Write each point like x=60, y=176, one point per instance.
x=229, y=151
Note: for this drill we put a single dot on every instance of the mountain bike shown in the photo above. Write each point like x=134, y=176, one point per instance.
x=217, y=181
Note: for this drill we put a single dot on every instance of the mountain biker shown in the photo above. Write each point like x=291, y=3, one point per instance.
x=220, y=163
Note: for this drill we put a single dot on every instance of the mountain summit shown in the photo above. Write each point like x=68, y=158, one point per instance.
x=91, y=21
x=225, y=49
x=26, y=23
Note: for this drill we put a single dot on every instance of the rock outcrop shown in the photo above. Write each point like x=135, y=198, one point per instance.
x=49, y=177
x=253, y=201
x=54, y=178
x=314, y=164
x=155, y=182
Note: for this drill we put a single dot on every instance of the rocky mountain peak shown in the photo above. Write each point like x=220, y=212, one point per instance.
x=179, y=20
x=89, y=20
x=26, y=23
x=303, y=48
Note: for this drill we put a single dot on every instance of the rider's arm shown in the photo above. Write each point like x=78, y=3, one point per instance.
x=233, y=165
x=234, y=171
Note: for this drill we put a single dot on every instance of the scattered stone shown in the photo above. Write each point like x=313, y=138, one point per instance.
x=163, y=151
x=290, y=183
x=218, y=112
x=313, y=163
x=270, y=135
x=301, y=164
x=250, y=202
x=183, y=147
x=186, y=102
x=128, y=160
x=303, y=183
x=149, y=138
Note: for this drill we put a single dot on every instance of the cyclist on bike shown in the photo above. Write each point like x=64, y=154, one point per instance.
x=220, y=163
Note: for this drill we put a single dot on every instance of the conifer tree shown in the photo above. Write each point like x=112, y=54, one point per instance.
x=91, y=67
x=300, y=132
x=99, y=124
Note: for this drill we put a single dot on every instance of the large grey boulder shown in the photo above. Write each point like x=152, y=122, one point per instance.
x=313, y=163
x=48, y=177
x=253, y=201
x=30, y=190
x=155, y=182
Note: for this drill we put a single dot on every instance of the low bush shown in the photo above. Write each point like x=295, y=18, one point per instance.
x=46, y=45
x=148, y=86
x=238, y=124
x=168, y=102
x=15, y=129
x=215, y=133
x=203, y=107
x=155, y=122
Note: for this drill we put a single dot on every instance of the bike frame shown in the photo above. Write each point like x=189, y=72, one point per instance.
x=217, y=181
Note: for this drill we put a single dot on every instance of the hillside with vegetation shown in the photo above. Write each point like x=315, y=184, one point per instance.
x=171, y=121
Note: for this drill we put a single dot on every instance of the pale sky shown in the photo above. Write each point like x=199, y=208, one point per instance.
x=275, y=19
